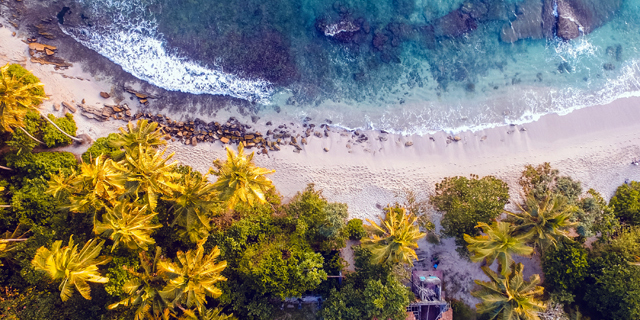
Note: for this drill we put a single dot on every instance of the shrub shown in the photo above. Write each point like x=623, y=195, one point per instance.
x=20, y=142
x=565, y=268
x=465, y=202
x=355, y=229
x=52, y=137
x=102, y=146
x=43, y=164
x=626, y=203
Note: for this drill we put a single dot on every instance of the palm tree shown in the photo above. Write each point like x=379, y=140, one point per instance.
x=192, y=277
x=148, y=173
x=207, y=314
x=74, y=268
x=193, y=199
x=509, y=297
x=544, y=222
x=18, y=95
x=8, y=242
x=144, y=135
x=240, y=180
x=499, y=242
x=128, y=223
x=144, y=289
x=394, y=240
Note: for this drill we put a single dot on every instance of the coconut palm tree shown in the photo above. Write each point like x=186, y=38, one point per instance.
x=394, y=240
x=127, y=223
x=207, y=314
x=143, y=134
x=240, y=180
x=8, y=242
x=544, y=222
x=149, y=173
x=509, y=297
x=193, y=200
x=18, y=95
x=498, y=242
x=144, y=289
x=192, y=277
x=73, y=268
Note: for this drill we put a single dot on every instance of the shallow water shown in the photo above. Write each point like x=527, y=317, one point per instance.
x=388, y=70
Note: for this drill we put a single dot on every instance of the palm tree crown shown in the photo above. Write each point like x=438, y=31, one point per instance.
x=544, y=222
x=509, y=297
x=144, y=289
x=128, y=223
x=207, y=314
x=498, y=242
x=18, y=94
x=194, y=198
x=144, y=134
x=394, y=240
x=72, y=267
x=192, y=277
x=240, y=180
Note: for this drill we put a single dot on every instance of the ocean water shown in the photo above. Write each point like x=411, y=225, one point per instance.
x=374, y=64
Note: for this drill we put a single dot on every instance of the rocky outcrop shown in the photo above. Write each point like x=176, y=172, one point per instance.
x=454, y=24
x=528, y=24
x=577, y=17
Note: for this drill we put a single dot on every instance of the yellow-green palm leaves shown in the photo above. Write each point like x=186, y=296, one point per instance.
x=148, y=172
x=509, y=297
x=128, y=223
x=143, y=134
x=193, y=200
x=498, y=242
x=240, y=180
x=207, y=314
x=544, y=222
x=395, y=239
x=74, y=268
x=144, y=290
x=8, y=242
x=192, y=277
x=18, y=94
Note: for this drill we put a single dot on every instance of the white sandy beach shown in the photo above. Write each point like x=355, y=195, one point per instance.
x=594, y=145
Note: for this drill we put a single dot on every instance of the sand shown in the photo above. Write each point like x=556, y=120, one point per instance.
x=594, y=145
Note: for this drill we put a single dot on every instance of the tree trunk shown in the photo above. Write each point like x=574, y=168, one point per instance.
x=5, y=168
x=5, y=206
x=13, y=240
x=66, y=134
x=30, y=136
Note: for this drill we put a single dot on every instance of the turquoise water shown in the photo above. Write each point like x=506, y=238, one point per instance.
x=393, y=67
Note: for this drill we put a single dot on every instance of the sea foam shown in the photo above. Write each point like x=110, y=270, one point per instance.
x=131, y=40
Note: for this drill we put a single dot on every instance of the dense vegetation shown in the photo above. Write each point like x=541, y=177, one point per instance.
x=129, y=234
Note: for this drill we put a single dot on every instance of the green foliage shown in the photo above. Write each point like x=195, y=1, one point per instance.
x=19, y=71
x=52, y=137
x=538, y=181
x=371, y=292
x=118, y=275
x=323, y=224
x=613, y=288
x=626, y=203
x=565, y=268
x=103, y=146
x=355, y=230
x=595, y=216
x=20, y=142
x=467, y=201
x=42, y=164
x=568, y=188
x=461, y=311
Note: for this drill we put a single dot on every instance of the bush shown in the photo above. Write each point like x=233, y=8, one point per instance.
x=355, y=229
x=461, y=311
x=43, y=164
x=102, y=146
x=565, y=268
x=52, y=137
x=465, y=202
x=626, y=203
x=20, y=142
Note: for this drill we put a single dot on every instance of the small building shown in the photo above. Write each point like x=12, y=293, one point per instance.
x=431, y=303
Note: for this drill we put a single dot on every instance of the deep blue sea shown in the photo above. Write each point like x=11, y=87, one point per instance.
x=409, y=66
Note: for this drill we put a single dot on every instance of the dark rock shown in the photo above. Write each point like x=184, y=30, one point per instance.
x=454, y=24
x=408, y=144
x=528, y=23
x=254, y=118
x=609, y=66
x=565, y=67
x=576, y=17
x=269, y=123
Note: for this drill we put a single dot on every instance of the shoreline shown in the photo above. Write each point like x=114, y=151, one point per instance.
x=594, y=145
x=580, y=144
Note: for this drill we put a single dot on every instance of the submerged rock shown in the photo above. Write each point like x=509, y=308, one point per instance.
x=528, y=24
x=578, y=17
